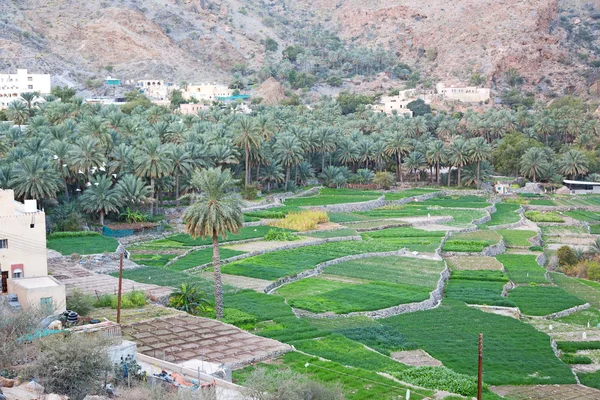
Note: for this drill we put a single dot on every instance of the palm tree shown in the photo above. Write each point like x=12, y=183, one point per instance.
x=325, y=141
x=271, y=173
x=35, y=178
x=153, y=162
x=189, y=298
x=459, y=155
x=29, y=98
x=247, y=136
x=85, y=155
x=288, y=152
x=183, y=164
x=100, y=197
x=436, y=154
x=132, y=191
x=415, y=161
x=17, y=112
x=398, y=144
x=572, y=163
x=215, y=211
x=479, y=150
x=534, y=162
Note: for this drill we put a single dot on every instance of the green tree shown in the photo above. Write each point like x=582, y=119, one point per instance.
x=100, y=197
x=398, y=144
x=418, y=107
x=183, y=164
x=436, y=154
x=534, y=163
x=573, y=163
x=132, y=191
x=153, y=162
x=35, y=178
x=271, y=45
x=271, y=173
x=479, y=150
x=458, y=156
x=64, y=93
x=17, y=112
x=247, y=136
x=288, y=152
x=29, y=98
x=415, y=161
x=216, y=211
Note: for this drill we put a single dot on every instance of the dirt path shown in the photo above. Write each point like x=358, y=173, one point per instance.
x=416, y=358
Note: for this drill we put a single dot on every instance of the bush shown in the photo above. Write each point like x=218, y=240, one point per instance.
x=570, y=358
x=280, y=236
x=79, y=302
x=537, y=216
x=440, y=378
x=566, y=256
x=536, y=248
x=13, y=326
x=384, y=180
x=250, y=192
x=303, y=220
x=133, y=299
x=60, y=235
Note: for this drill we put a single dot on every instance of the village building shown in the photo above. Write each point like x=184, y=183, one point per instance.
x=207, y=91
x=156, y=88
x=502, y=188
x=398, y=104
x=13, y=85
x=467, y=94
x=23, y=256
x=191, y=108
x=582, y=187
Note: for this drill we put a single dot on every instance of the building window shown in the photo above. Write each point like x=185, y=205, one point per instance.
x=3, y=243
x=30, y=78
x=46, y=303
x=17, y=273
x=29, y=86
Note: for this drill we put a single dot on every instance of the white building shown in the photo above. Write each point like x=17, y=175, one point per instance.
x=207, y=91
x=393, y=105
x=155, y=88
x=24, y=258
x=13, y=85
x=467, y=94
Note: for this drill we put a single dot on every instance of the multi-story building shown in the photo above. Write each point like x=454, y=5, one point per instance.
x=13, y=85
x=467, y=94
x=156, y=88
x=393, y=105
x=207, y=91
x=23, y=255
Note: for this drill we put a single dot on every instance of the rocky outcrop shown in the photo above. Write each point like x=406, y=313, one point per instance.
x=271, y=92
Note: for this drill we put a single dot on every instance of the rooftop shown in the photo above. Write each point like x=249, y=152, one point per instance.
x=36, y=282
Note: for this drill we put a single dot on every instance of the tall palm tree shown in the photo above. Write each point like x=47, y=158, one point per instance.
x=324, y=142
x=534, y=162
x=153, y=162
x=436, y=154
x=216, y=211
x=398, y=144
x=85, y=155
x=247, y=137
x=35, y=178
x=288, y=152
x=100, y=197
x=414, y=162
x=182, y=163
x=132, y=191
x=573, y=163
x=29, y=98
x=479, y=150
x=459, y=155
x=17, y=112
x=271, y=173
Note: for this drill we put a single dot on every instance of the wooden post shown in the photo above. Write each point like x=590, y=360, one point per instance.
x=120, y=288
x=480, y=369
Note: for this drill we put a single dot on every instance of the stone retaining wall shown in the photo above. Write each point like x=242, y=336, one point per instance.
x=319, y=268
x=510, y=285
x=206, y=246
x=286, y=247
x=466, y=192
x=490, y=251
x=351, y=207
x=522, y=221
x=482, y=220
x=380, y=228
x=406, y=200
x=568, y=311
x=541, y=259
x=561, y=208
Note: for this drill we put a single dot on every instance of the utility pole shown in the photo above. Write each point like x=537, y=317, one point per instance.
x=121, y=288
x=480, y=369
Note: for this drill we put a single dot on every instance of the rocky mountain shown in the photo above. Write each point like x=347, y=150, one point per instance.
x=549, y=46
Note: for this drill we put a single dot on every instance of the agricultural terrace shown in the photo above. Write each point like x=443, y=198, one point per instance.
x=353, y=351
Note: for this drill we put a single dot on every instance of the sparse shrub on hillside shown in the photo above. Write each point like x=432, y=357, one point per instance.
x=566, y=256
x=384, y=179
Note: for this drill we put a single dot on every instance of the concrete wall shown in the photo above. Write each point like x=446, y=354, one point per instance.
x=30, y=295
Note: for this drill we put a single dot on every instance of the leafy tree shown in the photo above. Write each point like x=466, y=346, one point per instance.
x=176, y=97
x=415, y=161
x=64, y=93
x=458, y=156
x=271, y=45
x=272, y=173
x=132, y=191
x=349, y=102
x=418, y=107
x=507, y=154
x=288, y=152
x=153, y=162
x=383, y=179
x=17, y=112
x=566, y=256
x=398, y=144
x=573, y=163
x=247, y=137
x=100, y=197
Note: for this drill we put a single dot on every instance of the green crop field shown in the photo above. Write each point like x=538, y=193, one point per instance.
x=472, y=242
x=589, y=316
x=151, y=260
x=516, y=237
x=505, y=214
x=336, y=233
x=537, y=216
x=584, y=289
x=167, y=277
x=515, y=353
x=583, y=215
x=333, y=196
x=411, y=238
x=249, y=232
x=94, y=244
x=542, y=300
x=408, y=193
x=523, y=268
x=272, y=213
x=457, y=202
x=200, y=257
x=461, y=218
x=478, y=287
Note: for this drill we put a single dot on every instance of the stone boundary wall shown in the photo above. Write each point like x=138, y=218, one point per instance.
x=530, y=207
x=350, y=207
x=319, y=268
x=286, y=247
x=406, y=200
x=541, y=259
x=465, y=192
x=438, y=251
x=435, y=298
x=522, y=221
x=254, y=223
x=262, y=207
x=510, y=285
x=490, y=251
x=380, y=228
x=568, y=311
x=482, y=220
x=206, y=246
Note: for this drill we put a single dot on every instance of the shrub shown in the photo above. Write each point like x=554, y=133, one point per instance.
x=79, y=302
x=566, y=256
x=303, y=220
x=13, y=326
x=572, y=347
x=280, y=236
x=384, y=179
x=440, y=378
x=570, y=358
x=536, y=248
x=133, y=299
x=250, y=192
x=593, y=272
x=537, y=216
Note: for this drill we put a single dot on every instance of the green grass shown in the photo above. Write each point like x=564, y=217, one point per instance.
x=408, y=193
x=542, y=202
x=583, y=215
x=83, y=244
x=282, y=263
x=249, y=232
x=201, y=257
x=516, y=237
x=514, y=353
x=583, y=317
x=584, y=289
x=595, y=229
x=457, y=202
x=411, y=238
x=558, y=230
x=590, y=379
x=356, y=383
x=572, y=347
x=167, y=277
x=478, y=287
x=505, y=214
x=152, y=260
x=523, y=268
x=462, y=218
x=537, y=216
x=328, y=196
x=271, y=213
x=542, y=300
x=472, y=242
x=336, y=233
x=382, y=338
x=341, y=217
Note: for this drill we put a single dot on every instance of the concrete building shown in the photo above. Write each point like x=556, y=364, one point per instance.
x=23, y=255
x=191, y=108
x=207, y=91
x=467, y=94
x=155, y=88
x=582, y=187
x=502, y=188
x=13, y=85
x=393, y=105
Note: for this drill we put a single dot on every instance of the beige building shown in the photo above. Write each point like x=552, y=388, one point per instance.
x=467, y=94
x=207, y=91
x=23, y=255
x=393, y=105
x=191, y=108
x=13, y=85
x=155, y=88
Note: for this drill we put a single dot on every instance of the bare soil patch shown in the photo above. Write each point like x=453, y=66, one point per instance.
x=564, y=332
x=130, y=316
x=416, y=358
x=547, y=392
x=474, y=263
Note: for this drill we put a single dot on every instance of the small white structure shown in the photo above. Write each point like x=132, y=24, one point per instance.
x=393, y=105
x=13, y=85
x=501, y=188
x=582, y=187
x=467, y=94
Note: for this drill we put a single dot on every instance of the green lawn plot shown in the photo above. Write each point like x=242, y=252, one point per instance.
x=271, y=213
x=335, y=233
x=473, y=263
x=537, y=216
x=515, y=353
x=461, y=217
x=542, y=202
x=365, y=285
x=89, y=244
x=408, y=193
x=595, y=229
x=554, y=230
x=167, y=277
x=542, y=300
x=505, y=214
x=277, y=264
x=523, y=268
x=367, y=225
x=516, y=237
x=356, y=383
x=457, y=202
x=478, y=287
x=411, y=238
x=590, y=379
x=577, y=201
x=328, y=196
x=589, y=316
x=472, y=242
x=583, y=215
x=582, y=288
x=183, y=240
x=201, y=257
x=343, y=217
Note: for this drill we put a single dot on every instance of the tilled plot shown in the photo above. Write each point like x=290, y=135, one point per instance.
x=184, y=338
x=548, y=392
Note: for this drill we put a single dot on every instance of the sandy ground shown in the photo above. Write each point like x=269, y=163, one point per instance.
x=564, y=332
x=415, y=358
x=241, y=282
x=512, y=312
